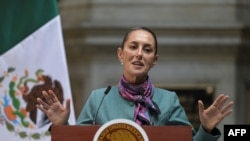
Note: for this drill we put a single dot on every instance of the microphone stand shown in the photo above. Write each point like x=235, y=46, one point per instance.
x=105, y=93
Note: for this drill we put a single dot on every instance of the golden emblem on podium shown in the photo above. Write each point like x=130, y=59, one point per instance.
x=120, y=130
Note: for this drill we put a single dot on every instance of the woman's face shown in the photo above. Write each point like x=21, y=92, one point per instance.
x=138, y=55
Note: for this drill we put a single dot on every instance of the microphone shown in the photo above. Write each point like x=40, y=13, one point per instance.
x=105, y=93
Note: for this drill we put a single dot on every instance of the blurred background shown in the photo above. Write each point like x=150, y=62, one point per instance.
x=203, y=48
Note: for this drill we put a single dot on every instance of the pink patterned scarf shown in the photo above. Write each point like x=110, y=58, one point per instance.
x=142, y=96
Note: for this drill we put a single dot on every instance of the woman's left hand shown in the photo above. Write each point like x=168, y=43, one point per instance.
x=215, y=113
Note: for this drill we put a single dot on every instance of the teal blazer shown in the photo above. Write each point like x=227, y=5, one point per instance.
x=114, y=106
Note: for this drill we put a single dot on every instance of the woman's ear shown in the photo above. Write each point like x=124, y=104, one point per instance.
x=155, y=59
x=119, y=54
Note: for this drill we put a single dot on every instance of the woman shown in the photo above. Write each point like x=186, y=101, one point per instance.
x=136, y=98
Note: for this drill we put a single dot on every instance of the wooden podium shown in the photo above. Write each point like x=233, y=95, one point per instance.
x=87, y=133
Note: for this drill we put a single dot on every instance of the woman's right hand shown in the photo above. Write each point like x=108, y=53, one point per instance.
x=55, y=111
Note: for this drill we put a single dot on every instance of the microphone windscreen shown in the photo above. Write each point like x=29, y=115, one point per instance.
x=107, y=90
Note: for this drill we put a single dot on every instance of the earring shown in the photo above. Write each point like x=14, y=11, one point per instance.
x=121, y=63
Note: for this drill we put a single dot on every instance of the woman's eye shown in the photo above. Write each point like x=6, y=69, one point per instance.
x=148, y=50
x=133, y=47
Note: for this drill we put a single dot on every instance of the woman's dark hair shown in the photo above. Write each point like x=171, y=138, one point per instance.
x=140, y=28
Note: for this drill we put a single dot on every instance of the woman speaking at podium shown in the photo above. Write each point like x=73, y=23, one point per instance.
x=136, y=98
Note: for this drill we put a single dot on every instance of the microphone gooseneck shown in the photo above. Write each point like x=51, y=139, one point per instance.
x=105, y=93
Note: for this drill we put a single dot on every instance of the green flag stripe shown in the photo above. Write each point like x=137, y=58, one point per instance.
x=20, y=18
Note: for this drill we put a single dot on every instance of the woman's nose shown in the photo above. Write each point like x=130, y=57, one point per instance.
x=139, y=53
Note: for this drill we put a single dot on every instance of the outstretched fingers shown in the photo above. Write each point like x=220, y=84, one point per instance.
x=226, y=110
x=53, y=96
x=220, y=101
x=42, y=105
x=68, y=104
x=217, y=101
x=50, y=97
x=201, y=106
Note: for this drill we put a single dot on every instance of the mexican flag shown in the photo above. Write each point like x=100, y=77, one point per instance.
x=32, y=59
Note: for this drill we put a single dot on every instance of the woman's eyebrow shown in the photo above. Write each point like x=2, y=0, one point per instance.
x=136, y=42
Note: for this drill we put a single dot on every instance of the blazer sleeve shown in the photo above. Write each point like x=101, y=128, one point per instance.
x=86, y=115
